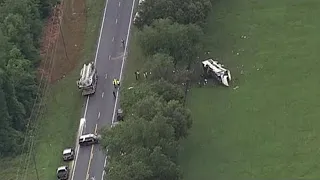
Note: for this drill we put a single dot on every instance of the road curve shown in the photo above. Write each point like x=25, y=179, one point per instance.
x=100, y=107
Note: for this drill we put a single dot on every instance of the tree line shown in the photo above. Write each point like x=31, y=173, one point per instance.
x=145, y=145
x=21, y=23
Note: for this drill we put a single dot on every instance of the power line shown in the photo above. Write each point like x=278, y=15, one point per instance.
x=64, y=44
x=35, y=164
x=34, y=111
x=45, y=91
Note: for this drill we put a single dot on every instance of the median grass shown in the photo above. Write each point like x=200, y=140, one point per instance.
x=267, y=124
x=59, y=122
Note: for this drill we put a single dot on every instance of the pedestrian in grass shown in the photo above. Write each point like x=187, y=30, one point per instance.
x=145, y=74
x=137, y=73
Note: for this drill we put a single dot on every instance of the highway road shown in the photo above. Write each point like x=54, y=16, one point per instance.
x=100, y=107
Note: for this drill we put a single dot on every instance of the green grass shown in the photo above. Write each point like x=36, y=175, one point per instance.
x=135, y=59
x=268, y=127
x=59, y=123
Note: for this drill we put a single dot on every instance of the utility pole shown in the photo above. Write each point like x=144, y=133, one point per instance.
x=64, y=43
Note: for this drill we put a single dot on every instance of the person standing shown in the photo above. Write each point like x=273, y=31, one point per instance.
x=137, y=73
x=145, y=74
x=122, y=42
x=114, y=83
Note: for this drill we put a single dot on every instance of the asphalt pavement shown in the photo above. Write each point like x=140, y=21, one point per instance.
x=100, y=107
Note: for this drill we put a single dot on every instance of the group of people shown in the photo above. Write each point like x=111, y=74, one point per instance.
x=203, y=80
x=137, y=74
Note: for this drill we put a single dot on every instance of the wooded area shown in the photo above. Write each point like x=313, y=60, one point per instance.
x=20, y=32
x=146, y=144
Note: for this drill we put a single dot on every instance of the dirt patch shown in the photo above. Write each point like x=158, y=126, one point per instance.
x=63, y=40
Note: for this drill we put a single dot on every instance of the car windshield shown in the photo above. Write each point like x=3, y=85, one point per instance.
x=89, y=139
x=61, y=171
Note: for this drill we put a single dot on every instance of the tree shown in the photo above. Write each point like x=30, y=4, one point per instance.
x=137, y=132
x=16, y=110
x=29, y=11
x=130, y=166
x=167, y=90
x=142, y=163
x=133, y=95
x=20, y=29
x=182, y=42
x=178, y=117
x=144, y=153
x=181, y=11
x=161, y=66
x=23, y=78
x=162, y=166
x=148, y=107
x=9, y=137
x=19, y=33
x=45, y=7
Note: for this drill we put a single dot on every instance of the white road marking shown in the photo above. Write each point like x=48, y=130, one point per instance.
x=106, y=76
x=99, y=115
x=103, y=172
x=105, y=161
x=95, y=61
x=116, y=21
x=86, y=108
x=119, y=4
x=80, y=130
x=102, y=94
x=105, y=164
x=123, y=60
x=112, y=39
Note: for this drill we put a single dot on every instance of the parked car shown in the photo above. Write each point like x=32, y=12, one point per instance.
x=63, y=173
x=68, y=154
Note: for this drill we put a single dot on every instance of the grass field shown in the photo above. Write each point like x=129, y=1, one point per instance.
x=269, y=126
x=58, y=127
x=135, y=59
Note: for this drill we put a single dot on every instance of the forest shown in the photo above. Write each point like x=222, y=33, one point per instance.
x=20, y=32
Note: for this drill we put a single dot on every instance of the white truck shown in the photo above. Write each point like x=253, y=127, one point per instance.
x=213, y=68
x=88, y=79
